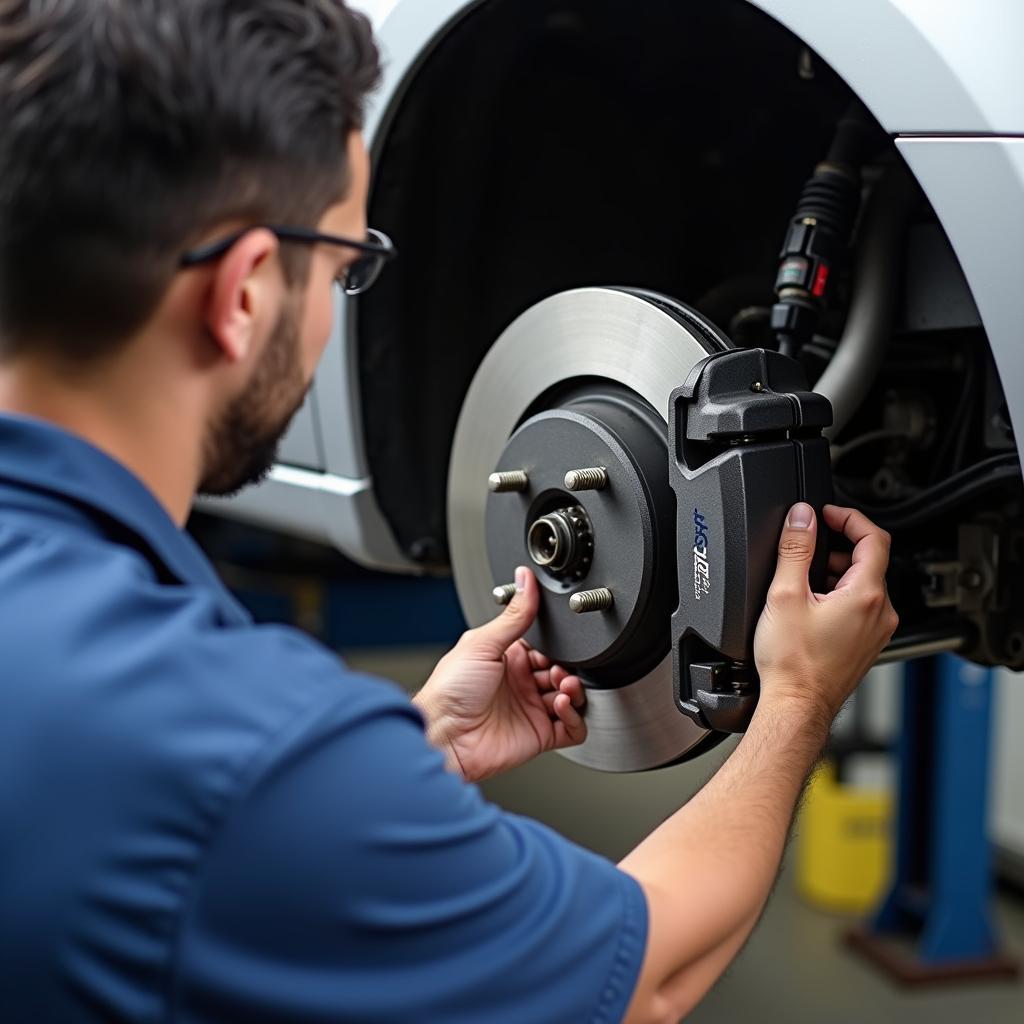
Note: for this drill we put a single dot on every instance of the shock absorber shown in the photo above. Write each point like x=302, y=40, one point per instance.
x=819, y=232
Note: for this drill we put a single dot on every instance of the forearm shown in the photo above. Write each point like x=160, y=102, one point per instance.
x=708, y=870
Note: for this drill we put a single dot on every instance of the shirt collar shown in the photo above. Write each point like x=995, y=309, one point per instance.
x=39, y=456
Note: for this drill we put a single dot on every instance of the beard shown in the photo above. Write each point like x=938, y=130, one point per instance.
x=241, y=444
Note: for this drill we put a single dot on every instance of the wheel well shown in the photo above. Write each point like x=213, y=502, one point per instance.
x=542, y=147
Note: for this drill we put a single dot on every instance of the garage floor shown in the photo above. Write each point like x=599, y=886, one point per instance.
x=794, y=969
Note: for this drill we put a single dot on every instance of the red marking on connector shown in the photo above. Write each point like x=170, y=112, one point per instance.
x=820, y=281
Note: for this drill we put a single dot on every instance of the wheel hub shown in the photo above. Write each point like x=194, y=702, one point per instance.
x=617, y=536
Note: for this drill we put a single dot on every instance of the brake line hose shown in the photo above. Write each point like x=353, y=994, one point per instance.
x=876, y=288
x=929, y=504
x=818, y=237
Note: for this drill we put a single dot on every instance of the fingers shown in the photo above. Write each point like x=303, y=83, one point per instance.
x=570, y=729
x=549, y=678
x=495, y=637
x=865, y=578
x=571, y=687
x=796, y=549
x=871, y=543
x=559, y=680
x=564, y=704
x=537, y=660
x=517, y=662
x=848, y=521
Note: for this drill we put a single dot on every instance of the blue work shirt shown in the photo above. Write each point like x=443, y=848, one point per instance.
x=206, y=820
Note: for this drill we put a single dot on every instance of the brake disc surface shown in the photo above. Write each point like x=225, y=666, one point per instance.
x=629, y=340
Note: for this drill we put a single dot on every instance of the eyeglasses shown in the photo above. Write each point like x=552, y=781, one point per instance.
x=378, y=250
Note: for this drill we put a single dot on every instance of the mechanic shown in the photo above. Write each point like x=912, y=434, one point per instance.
x=206, y=820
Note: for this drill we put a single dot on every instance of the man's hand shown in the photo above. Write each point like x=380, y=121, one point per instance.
x=816, y=648
x=494, y=703
x=708, y=870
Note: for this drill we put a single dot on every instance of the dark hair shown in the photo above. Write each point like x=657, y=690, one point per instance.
x=129, y=128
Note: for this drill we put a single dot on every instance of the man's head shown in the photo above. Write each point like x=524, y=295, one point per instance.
x=134, y=130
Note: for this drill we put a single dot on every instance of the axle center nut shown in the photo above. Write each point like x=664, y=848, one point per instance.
x=561, y=542
x=550, y=542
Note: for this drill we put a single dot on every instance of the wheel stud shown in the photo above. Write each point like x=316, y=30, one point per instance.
x=587, y=479
x=514, y=480
x=503, y=595
x=591, y=601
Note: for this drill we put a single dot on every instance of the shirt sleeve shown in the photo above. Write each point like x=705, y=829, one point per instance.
x=358, y=880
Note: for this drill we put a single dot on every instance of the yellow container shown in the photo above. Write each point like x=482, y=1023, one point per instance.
x=843, y=844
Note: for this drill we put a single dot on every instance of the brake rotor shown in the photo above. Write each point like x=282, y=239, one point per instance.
x=581, y=381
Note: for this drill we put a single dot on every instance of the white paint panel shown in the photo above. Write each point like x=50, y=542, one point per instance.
x=1008, y=788
x=939, y=66
x=977, y=189
x=300, y=446
x=919, y=65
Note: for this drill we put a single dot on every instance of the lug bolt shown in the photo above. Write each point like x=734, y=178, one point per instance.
x=591, y=601
x=503, y=595
x=514, y=480
x=587, y=479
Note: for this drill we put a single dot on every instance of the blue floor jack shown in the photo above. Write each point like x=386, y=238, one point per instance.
x=935, y=924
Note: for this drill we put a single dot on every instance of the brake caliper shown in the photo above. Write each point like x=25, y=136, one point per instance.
x=745, y=444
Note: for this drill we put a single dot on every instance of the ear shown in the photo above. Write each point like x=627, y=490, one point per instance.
x=243, y=295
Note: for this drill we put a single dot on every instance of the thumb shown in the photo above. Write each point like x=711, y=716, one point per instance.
x=796, y=550
x=495, y=637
